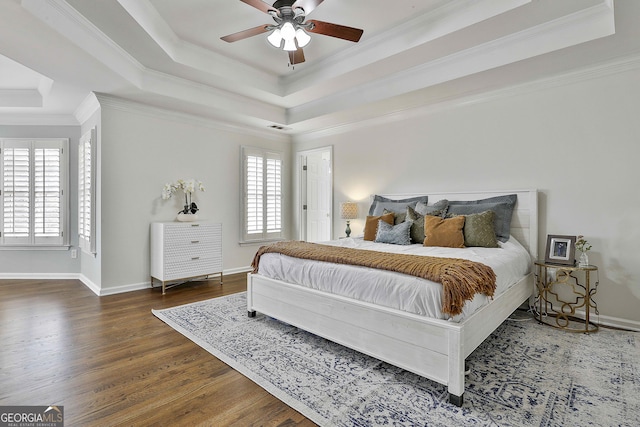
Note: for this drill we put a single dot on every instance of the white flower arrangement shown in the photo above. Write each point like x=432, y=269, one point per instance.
x=188, y=186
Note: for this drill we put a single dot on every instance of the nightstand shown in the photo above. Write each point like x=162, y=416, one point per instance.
x=562, y=290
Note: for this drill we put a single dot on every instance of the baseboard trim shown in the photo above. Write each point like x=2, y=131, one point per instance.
x=146, y=285
x=39, y=276
x=124, y=288
x=89, y=284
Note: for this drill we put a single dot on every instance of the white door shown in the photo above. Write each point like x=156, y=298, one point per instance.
x=316, y=197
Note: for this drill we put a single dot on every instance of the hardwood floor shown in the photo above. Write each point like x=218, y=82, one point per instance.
x=110, y=362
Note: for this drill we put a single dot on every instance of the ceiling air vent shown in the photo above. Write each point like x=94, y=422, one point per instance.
x=278, y=127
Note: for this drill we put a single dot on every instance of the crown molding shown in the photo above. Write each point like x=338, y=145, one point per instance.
x=601, y=70
x=129, y=106
x=578, y=27
x=63, y=18
x=34, y=119
x=70, y=23
x=87, y=108
x=196, y=57
x=446, y=19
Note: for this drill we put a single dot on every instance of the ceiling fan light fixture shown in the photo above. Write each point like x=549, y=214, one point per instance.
x=275, y=38
x=302, y=37
x=289, y=45
x=288, y=32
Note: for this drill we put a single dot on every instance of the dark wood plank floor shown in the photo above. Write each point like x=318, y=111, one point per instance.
x=110, y=362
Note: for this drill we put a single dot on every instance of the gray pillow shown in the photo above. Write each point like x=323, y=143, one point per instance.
x=439, y=208
x=397, y=216
x=394, y=234
x=502, y=205
x=380, y=203
x=417, y=226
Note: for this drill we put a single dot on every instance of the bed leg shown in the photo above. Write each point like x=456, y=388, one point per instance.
x=456, y=400
x=251, y=313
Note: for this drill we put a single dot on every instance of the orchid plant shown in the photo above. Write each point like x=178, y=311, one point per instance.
x=188, y=186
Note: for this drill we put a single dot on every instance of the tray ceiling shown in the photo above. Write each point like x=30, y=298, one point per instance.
x=168, y=54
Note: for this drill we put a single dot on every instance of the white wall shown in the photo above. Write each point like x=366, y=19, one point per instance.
x=577, y=144
x=144, y=148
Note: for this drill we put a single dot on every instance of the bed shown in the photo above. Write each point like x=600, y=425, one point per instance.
x=435, y=348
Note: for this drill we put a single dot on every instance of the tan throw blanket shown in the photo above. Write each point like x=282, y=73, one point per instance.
x=461, y=279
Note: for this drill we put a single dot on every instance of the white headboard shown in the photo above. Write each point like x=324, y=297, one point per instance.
x=524, y=222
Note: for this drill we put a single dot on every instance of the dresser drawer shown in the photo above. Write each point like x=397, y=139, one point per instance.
x=189, y=249
x=192, y=267
x=185, y=233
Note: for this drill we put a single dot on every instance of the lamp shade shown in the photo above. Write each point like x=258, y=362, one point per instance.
x=348, y=210
x=275, y=38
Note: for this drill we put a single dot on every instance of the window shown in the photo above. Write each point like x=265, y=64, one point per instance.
x=86, y=192
x=262, y=199
x=33, y=192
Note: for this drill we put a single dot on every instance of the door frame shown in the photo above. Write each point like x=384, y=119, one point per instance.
x=301, y=229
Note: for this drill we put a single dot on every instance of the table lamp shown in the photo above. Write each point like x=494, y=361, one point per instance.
x=348, y=211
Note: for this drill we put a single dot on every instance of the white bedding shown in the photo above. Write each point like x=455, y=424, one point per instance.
x=510, y=262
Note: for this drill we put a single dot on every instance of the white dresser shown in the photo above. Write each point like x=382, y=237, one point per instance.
x=185, y=250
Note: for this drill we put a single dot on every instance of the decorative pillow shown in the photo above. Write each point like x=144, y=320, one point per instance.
x=417, y=226
x=398, y=216
x=394, y=234
x=502, y=205
x=444, y=232
x=479, y=230
x=371, y=225
x=439, y=208
x=380, y=203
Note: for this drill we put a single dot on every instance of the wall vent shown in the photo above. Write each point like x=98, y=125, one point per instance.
x=278, y=127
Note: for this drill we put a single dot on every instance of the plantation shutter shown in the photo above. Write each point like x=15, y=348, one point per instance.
x=274, y=193
x=86, y=192
x=33, y=204
x=262, y=201
x=254, y=195
x=16, y=188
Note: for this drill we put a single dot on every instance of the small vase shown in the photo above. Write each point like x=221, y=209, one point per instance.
x=584, y=260
x=183, y=217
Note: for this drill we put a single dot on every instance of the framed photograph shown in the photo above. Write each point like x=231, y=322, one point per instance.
x=560, y=250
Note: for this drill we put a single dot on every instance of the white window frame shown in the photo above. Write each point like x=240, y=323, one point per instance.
x=32, y=240
x=267, y=223
x=87, y=192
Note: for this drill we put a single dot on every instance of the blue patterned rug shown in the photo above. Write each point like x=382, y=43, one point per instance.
x=524, y=374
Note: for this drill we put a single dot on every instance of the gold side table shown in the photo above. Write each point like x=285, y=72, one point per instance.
x=554, y=308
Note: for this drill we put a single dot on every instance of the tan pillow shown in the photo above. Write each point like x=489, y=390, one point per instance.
x=371, y=225
x=444, y=232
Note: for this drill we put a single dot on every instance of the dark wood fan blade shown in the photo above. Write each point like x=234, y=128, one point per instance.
x=307, y=5
x=259, y=4
x=245, y=34
x=296, y=56
x=335, y=30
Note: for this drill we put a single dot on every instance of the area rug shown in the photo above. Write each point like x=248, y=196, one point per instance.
x=524, y=374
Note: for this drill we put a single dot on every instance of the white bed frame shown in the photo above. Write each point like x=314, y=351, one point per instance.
x=433, y=348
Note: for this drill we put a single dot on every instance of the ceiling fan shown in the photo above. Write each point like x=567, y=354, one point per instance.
x=289, y=33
